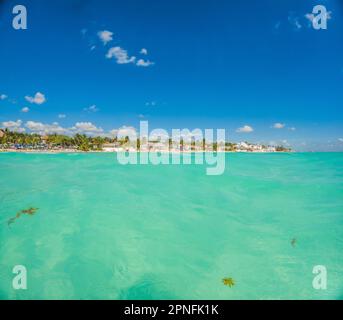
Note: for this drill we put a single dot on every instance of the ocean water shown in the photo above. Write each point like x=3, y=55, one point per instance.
x=108, y=231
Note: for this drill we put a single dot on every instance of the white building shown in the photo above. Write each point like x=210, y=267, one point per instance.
x=109, y=147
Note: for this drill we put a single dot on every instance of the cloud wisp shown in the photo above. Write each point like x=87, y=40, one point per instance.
x=86, y=128
x=105, y=36
x=144, y=63
x=13, y=126
x=92, y=108
x=41, y=128
x=245, y=129
x=144, y=51
x=120, y=55
x=278, y=125
x=39, y=98
x=151, y=104
x=310, y=17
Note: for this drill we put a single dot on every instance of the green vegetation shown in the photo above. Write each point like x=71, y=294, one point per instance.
x=35, y=141
x=229, y=146
x=82, y=142
x=282, y=149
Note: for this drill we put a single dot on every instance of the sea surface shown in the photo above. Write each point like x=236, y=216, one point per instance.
x=110, y=231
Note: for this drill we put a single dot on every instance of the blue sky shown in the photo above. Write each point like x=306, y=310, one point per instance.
x=206, y=64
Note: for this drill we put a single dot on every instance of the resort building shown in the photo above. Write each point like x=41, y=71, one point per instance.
x=109, y=147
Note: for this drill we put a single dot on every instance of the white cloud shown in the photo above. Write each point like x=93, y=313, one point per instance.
x=152, y=104
x=39, y=98
x=309, y=16
x=12, y=124
x=113, y=132
x=278, y=125
x=297, y=24
x=42, y=128
x=62, y=116
x=144, y=51
x=86, y=127
x=143, y=63
x=105, y=36
x=245, y=129
x=3, y=97
x=294, y=21
x=340, y=139
x=126, y=131
x=292, y=128
x=25, y=110
x=120, y=55
x=92, y=108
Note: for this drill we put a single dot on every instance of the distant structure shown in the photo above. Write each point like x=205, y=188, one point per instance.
x=109, y=147
x=45, y=139
x=2, y=133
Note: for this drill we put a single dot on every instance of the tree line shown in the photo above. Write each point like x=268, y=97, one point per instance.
x=83, y=142
x=78, y=141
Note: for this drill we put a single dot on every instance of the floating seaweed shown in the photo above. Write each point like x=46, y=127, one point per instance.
x=30, y=212
x=228, y=282
x=293, y=242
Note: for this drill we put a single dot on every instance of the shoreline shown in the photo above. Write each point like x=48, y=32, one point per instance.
x=29, y=151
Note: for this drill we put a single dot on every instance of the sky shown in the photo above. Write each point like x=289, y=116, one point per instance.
x=256, y=68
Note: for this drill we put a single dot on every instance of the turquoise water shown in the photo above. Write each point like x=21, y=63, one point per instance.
x=108, y=231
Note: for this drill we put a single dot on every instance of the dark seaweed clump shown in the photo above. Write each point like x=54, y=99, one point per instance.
x=228, y=282
x=30, y=212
